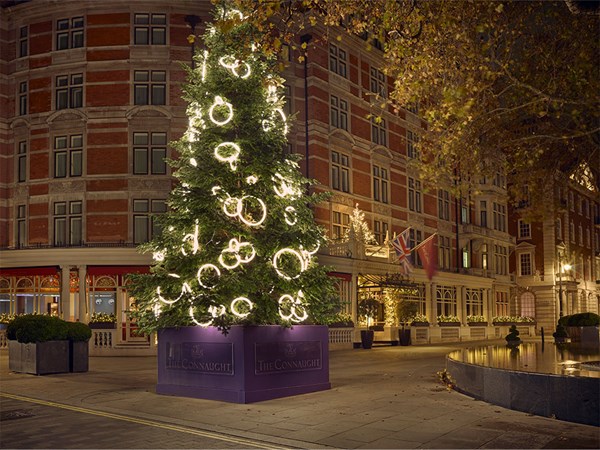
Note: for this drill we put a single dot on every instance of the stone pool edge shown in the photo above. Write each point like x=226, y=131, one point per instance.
x=573, y=399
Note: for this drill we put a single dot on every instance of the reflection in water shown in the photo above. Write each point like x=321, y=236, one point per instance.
x=558, y=359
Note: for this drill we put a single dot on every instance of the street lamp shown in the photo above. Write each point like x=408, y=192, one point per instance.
x=562, y=269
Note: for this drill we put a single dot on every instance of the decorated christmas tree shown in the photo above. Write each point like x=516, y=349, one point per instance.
x=239, y=239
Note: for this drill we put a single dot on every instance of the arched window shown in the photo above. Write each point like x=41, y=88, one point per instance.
x=528, y=304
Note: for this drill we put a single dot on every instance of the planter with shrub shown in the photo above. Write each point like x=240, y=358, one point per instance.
x=41, y=344
x=582, y=327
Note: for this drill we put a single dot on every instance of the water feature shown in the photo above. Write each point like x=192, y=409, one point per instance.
x=552, y=380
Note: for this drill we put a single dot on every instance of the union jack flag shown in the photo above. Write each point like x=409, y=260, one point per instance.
x=403, y=251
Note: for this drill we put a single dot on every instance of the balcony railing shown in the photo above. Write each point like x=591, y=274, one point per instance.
x=120, y=244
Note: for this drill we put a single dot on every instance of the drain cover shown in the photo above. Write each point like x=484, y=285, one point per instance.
x=15, y=414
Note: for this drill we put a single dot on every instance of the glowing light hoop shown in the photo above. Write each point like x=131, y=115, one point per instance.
x=220, y=102
x=234, y=247
x=234, y=65
x=185, y=288
x=252, y=179
x=303, y=264
x=290, y=211
x=202, y=269
x=193, y=237
x=213, y=310
x=234, y=310
x=295, y=304
x=284, y=189
x=203, y=72
x=159, y=255
x=193, y=162
x=228, y=201
x=232, y=159
x=246, y=221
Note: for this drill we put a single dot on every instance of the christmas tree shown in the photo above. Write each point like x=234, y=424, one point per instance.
x=238, y=242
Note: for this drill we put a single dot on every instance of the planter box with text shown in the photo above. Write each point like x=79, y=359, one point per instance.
x=247, y=365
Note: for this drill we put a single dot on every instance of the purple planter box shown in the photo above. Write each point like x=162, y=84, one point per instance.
x=249, y=364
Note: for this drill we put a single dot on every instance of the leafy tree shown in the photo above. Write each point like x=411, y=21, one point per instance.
x=502, y=86
x=238, y=241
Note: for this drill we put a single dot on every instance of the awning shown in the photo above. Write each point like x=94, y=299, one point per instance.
x=116, y=270
x=343, y=276
x=29, y=271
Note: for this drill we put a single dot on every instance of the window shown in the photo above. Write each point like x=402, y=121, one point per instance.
x=340, y=225
x=499, y=180
x=68, y=156
x=580, y=234
x=150, y=87
x=380, y=230
x=528, y=304
x=149, y=153
x=339, y=113
x=445, y=300
x=579, y=205
x=287, y=95
x=444, y=252
x=415, y=237
x=412, y=150
x=586, y=207
x=22, y=162
x=413, y=108
x=465, y=213
x=68, y=223
x=23, y=98
x=380, y=184
x=144, y=214
x=474, y=301
x=525, y=268
x=524, y=229
x=414, y=195
x=484, y=256
x=378, y=131
x=501, y=259
x=23, y=41
x=499, y=215
x=483, y=213
x=572, y=231
x=466, y=257
x=502, y=304
x=572, y=201
x=559, y=229
x=69, y=33
x=21, y=226
x=443, y=204
x=378, y=83
x=337, y=61
x=588, y=239
x=150, y=29
x=340, y=172
x=69, y=91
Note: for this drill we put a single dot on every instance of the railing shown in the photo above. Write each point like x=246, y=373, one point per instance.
x=341, y=338
x=339, y=249
x=3, y=340
x=120, y=244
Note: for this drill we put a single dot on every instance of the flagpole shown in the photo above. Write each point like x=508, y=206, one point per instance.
x=423, y=243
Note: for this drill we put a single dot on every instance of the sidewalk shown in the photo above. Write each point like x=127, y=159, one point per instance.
x=386, y=397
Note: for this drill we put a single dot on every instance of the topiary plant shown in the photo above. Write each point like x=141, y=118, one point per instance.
x=36, y=328
x=561, y=331
x=78, y=332
x=513, y=334
x=586, y=319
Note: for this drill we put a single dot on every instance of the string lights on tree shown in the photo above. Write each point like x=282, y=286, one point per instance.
x=233, y=244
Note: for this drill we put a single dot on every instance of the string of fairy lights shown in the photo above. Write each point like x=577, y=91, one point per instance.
x=252, y=211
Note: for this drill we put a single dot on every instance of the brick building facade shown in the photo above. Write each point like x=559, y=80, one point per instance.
x=91, y=97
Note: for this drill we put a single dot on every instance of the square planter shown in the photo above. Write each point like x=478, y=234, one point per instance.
x=449, y=324
x=38, y=358
x=79, y=356
x=477, y=324
x=249, y=364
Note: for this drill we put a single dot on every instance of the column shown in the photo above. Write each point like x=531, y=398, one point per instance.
x=461, y=303
x=65, y=293
x=430, y=301
x=83, y=312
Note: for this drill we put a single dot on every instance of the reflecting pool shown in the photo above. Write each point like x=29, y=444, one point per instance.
x=549, y=358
